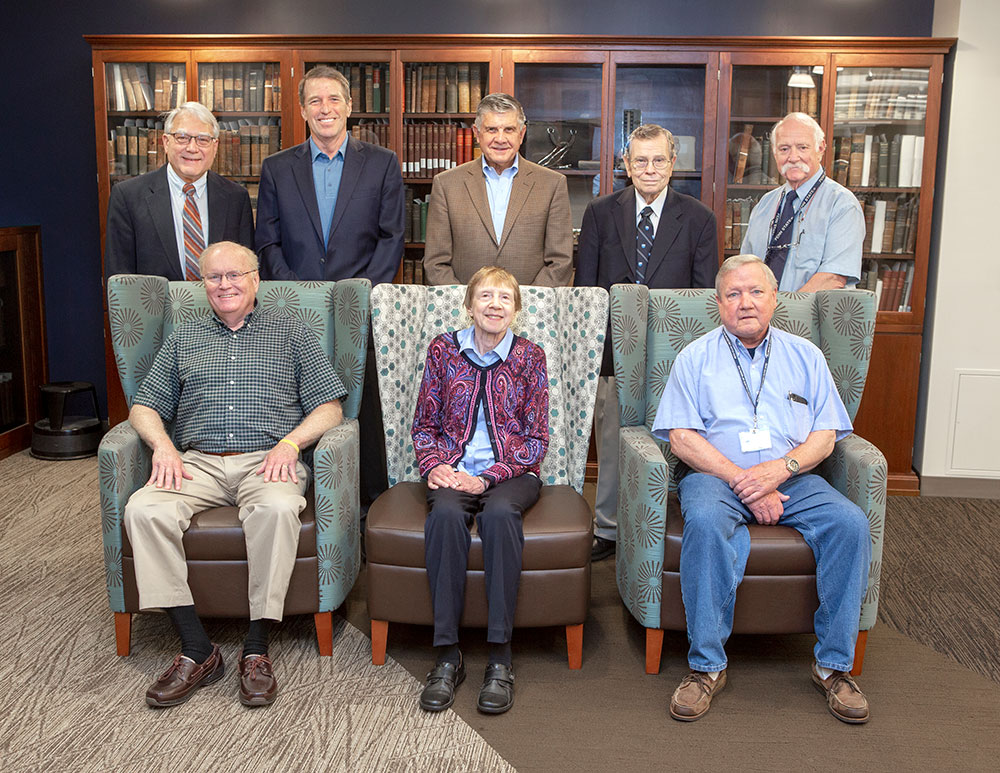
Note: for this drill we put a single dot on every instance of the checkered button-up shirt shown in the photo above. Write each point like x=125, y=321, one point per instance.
x=238, y=390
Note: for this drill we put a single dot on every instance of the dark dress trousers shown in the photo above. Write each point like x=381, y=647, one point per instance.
x=140, y=238
x=366, y=235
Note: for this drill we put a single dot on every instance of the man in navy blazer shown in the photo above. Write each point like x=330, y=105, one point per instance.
x=684, y=252
x=332, y=207
x=145, y=233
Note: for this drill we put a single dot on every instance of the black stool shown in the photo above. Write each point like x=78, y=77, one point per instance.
x=59, y=436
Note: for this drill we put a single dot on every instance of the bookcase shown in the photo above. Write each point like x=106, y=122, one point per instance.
x=877, y=99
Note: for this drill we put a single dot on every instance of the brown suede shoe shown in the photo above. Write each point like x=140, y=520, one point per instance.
x=258, y=687
x=843, y=696
x=184, y=676
x=692, y=699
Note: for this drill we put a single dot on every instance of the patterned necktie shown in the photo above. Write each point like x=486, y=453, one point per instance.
x=781, y=239
x=643, y=244
x=194, y=239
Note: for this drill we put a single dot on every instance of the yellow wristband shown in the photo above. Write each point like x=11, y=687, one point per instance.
x=286, y=440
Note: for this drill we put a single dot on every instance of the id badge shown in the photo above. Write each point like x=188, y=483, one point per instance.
x=758, y=439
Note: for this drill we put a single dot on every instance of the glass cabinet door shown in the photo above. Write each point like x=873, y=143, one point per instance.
x=879, y=120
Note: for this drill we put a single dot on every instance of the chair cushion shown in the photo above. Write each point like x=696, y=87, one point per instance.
x=557, y=529
x=774, y=550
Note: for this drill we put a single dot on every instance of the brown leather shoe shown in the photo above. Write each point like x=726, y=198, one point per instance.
x=692, y=699
x=258, y=687
x=184, y=676
x=843, y=696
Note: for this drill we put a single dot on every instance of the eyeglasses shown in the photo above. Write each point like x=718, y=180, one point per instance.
x=231, y=276
x=659, y=163
x=183, y=139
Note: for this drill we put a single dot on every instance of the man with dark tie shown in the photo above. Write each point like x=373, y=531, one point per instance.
x=160, y=222
x=810, y=230
x=647, y=234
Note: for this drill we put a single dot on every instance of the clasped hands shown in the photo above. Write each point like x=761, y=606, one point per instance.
x=445, y=476
x=757, y=488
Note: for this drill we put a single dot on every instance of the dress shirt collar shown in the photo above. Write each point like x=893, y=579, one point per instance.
x=315, y=153
x=467, y=342
x=177, y=184
x=738, y=344
x=656, y=205
x=247, y=320
x=803, y=190
x=510, y=171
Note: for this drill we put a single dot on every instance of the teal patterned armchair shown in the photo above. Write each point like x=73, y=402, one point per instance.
x=143, y=310
x=778, y=594
x=569, y=324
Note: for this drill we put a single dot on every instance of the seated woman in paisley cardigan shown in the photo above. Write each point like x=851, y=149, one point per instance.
x=480, y=432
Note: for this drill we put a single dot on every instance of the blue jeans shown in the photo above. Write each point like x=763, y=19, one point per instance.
x=714, y=552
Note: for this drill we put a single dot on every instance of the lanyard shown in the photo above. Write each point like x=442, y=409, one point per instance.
x=763, y=374
x=772, y=236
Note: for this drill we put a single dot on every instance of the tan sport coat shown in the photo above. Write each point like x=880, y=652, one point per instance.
x=536, y=245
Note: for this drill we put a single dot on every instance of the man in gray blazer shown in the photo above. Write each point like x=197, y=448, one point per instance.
x=499, y=210
x=148, y=231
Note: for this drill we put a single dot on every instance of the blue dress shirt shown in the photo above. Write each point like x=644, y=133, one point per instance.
x=479, y=454
x=498, y=193
x=326, y=177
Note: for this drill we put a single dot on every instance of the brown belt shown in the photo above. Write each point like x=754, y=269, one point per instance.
x=219, y=453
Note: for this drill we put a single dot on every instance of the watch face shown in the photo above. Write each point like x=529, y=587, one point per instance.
x=791, y=465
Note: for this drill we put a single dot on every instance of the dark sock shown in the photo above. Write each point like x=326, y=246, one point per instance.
x=194, y=641
x=500, y=653
x=256, y=641
x=449, y=653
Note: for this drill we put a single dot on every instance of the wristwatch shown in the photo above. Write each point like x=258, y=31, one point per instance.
x=791, y=465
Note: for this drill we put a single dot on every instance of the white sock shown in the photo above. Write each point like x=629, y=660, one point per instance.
x=713, y=674
x=824, y=673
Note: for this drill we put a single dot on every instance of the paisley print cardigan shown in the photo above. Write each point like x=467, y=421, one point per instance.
x=514, y=393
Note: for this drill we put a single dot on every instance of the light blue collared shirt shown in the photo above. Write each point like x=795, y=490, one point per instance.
x=326, y=177
x=826, y=237
x=498, y=193
x=177, y=197
x=479, y=454
x=705, y=393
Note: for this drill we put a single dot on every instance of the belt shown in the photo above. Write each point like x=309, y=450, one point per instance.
x=220, y=453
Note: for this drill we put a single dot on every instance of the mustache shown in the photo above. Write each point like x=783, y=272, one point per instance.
x=800, y=165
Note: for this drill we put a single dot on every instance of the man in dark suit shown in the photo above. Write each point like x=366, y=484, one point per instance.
x=332, y=207
x=148, y=231
x=647, y=234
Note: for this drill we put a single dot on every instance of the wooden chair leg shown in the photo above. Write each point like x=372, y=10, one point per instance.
x=380, y=633
x=859, y=653
x=324, y=632
x=574, y=645
x=654, y=647
x=123, y=632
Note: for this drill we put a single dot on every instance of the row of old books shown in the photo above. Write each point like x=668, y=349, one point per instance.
x=142, y=86
x=369, y=85
x=240, y=86
x=430, y=148
x=737, y=217
x=413, y=271
x=443, y=88
x=875, y=161
x=891, y=281
x=803, y=101
x=415, y=228
x=859, y=98
x=374, y=131
x=751, y=161
x=244, y=144
x=890, y=224
x=136, y=147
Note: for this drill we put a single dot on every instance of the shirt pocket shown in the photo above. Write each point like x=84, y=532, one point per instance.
x=800, y=421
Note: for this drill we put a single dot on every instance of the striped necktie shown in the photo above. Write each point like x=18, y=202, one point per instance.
x=643, y=244
x=194, y=238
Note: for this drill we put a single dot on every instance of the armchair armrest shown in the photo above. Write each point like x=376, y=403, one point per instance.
x=124, y=466
x=642, y=522
x=338, y=513
x=858, y=470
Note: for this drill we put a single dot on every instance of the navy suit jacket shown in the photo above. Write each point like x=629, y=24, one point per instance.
x=366, y=235
x=140, y=238
x=685, y=248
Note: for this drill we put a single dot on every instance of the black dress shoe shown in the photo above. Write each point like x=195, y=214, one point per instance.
x=497, y=693
x=439, y=693
x=602, y=549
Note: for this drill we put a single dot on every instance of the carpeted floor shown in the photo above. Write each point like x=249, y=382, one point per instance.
x=71, y=704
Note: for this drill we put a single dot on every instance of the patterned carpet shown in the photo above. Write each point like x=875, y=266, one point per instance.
x=70, y=704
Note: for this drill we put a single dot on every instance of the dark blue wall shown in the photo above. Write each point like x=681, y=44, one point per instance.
x=47, y=152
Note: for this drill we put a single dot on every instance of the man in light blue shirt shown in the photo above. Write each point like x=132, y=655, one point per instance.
x=749, y=410
x=327, y=171
x=810, y=230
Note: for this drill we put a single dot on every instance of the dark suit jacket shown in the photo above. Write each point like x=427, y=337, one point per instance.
x=685, y=248
x=140, y=237
x=366, y=235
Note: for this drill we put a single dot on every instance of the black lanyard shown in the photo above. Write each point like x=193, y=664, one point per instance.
x=763, y=374
x=772, y=236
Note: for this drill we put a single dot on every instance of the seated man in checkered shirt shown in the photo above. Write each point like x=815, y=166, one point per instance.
x=246, y=389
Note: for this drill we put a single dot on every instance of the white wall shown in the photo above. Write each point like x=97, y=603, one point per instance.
x=958, y=422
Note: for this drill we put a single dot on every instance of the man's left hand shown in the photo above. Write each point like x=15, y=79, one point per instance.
x=758, y=481
x=279, y=464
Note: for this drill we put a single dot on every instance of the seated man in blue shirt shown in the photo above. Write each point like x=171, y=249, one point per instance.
x=750, y=410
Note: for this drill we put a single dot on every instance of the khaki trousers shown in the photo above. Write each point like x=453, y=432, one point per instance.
x=156, y=520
